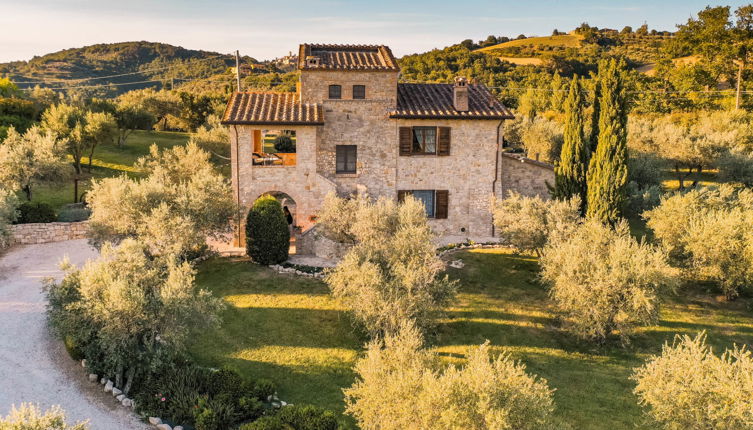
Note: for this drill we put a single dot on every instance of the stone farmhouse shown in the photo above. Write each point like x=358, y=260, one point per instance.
x=357, y=129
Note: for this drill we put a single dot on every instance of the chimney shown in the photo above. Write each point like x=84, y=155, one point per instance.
x=460, y=94
x=313, y=60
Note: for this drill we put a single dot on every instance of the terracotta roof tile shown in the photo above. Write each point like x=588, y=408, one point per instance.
x=347, y=57
x=271, y=108
x=434, y=101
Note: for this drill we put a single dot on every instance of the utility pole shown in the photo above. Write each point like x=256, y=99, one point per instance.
x=738, y=92
x=237, y=71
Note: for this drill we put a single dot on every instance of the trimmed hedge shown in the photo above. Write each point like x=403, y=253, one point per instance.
x=267, y=232
x=35, y=212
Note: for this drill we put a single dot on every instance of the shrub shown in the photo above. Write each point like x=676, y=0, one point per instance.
x=284, y=143
x=400, y=386
x=209, y=398
x=129, y=310
x=295, y=417
x=688, y=387
x=603, y=281
x=267, y=232
x=8, y=215
x=392, y=274
x=641, y=200
x=736, y=165
x=74, y=213
x=708, y=232
x=180, y=202
x=35, y=212
x=529, y=223
x=30, y=417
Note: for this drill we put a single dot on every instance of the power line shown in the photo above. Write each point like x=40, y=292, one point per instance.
x=58, y=81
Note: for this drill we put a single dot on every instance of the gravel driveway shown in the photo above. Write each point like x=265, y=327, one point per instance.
x=34, y=367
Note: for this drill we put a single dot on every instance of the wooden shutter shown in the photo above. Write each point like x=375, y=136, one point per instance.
x=401, y=195
x=444, y=141
x=441, y=204
x=406, y=140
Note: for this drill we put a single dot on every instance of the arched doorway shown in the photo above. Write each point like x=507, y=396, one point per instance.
x=288, y=203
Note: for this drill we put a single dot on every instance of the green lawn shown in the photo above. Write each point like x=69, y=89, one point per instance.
x=109, y=160
x=289, y=330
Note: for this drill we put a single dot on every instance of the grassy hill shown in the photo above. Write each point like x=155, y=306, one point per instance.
x=139, y=61
x=563, y=41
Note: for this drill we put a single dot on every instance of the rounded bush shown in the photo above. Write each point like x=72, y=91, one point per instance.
x=267, y=233
x=35, y=212
x=284, y=143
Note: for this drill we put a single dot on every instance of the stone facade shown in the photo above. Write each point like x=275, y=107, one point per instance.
x=471, y=173
x=525, y=176
x=27, y=234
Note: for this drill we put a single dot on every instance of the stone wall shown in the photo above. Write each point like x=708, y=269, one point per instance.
x=26, y=234
x=525, y=176
x=314, y=85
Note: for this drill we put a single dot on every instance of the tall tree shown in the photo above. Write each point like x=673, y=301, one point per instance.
x=723, y=45
x=570, y=172
x=607, y=171
x=593, y=136
x=81, y=130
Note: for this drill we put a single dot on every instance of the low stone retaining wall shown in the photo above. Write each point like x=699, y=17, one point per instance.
x=28, y=234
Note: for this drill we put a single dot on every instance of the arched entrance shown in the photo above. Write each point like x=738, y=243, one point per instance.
x=288, y=203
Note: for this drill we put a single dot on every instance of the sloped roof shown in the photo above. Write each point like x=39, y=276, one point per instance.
x=271, y=108
x=524, y=159
x=434, y=101
x=348, y=57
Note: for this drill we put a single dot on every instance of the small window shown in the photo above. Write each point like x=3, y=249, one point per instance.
x=347, y=155
x=359, y=92
x=424, y=140
x=335, y=91
x=427, y=198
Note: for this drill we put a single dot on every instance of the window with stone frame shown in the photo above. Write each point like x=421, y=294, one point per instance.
x=346, y=158
x=359, y=92
x=335, y=91
x=424, y=140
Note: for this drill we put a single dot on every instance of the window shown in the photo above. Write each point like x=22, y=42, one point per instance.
x=359, y=91
x=346, y=158
x=335, y=91
x=427, y=198
x=435, y=201
x=424, y=140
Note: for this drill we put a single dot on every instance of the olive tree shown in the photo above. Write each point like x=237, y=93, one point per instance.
x=128, y=310
x=529, y=223
x=603, y=281
x=30, y=417
x=29, y=159
x=8, y=214
x=80, y=130
x=689, y=387
x=709, y=233
x=213, y=137
x=392, y=273
x=181, y=201
x=399, y=385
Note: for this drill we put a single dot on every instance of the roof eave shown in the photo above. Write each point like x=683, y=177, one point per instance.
x=475, y=117
x=315, y=123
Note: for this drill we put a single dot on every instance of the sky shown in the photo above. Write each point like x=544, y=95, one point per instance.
x=270, y=29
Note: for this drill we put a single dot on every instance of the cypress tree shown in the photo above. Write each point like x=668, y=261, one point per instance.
x=607, y=171
x=570, y=173
x=595, y=111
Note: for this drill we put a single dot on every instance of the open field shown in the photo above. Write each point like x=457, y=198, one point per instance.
x=564, y=40
x=290, y=330
x=109, y=160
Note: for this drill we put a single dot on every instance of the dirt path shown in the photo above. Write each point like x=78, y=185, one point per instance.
x=34, y=367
